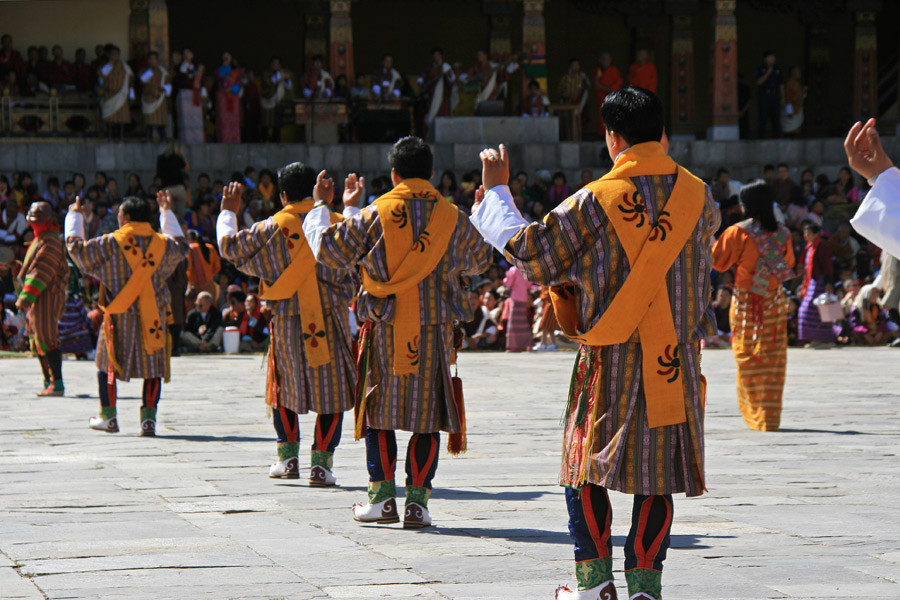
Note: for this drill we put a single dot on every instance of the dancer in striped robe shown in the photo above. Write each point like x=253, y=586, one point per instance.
x=44, y=277
x=310, y=362
x=412, y=246
x=762, y=253
x=639, y=237
x=133, y=340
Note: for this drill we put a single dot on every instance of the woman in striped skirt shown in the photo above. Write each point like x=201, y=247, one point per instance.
x=518, y=324
x=818, y=272
x=760, y=250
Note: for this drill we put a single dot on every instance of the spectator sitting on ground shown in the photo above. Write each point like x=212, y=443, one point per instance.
x=203, y=328
x=871, y=326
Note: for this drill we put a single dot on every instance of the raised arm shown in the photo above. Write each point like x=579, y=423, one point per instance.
x=243, y=248
x=338, y=245
x=89, y=256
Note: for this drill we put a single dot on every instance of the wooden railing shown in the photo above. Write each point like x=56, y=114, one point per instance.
x=50, y=116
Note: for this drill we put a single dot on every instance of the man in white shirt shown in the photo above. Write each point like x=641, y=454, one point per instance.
x=878, y=217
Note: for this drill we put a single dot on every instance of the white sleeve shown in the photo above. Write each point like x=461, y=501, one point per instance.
x=226, y=225
x=168, y=224
x=314, y=225
x=497, y=218
x=878, y=218
x=351, y=211
x=74, y=225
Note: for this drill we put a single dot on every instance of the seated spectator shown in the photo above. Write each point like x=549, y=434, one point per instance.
x=203, y=328
x=559, y=191
x=871, y=326
x=201, y=220
x=252, y=320
x=68, y=195
x=53, y=194
x=203, y=189
x=448, y=188
x=134, y=187
x=12, y=224
x=844, y=247
x=481, y=332
x=845, y=186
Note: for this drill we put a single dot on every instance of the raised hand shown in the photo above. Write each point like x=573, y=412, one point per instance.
x=354, y=187
x=164, y=200
x=495, y=167
x=231, y=196
x=864, y=150
x=76, y=207
x=479, y=196
x=324, y=190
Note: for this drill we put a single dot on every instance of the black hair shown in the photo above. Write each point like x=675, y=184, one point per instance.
x=53, y=181
x=267, y=172
x=722, y=171
x=808, y=225
x=138, y=209
x=437, y=49
x=411, y=158
x=238, y=295
x=768, y=53
x=5, y=37
x=769, y=167
x=453, y=186
x=782, y=164
x=153, y=53
x=111, y=48
x=758, y=200
x=726, y=288
x=533, y=83
x=236, y=176
x=559, y=174
x=68, y=182
x=297, y=181
x=573, y=60
x=635, y=114
x=386, y=54
x=249, y=170
x=807, y=170
x=318, y=57
x=202, y=175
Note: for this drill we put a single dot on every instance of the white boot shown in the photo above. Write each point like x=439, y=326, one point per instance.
x=383, y=512
x=321, y=477
x=416, y=516
x=606, y=591
x=107, y=425
x=286, y=469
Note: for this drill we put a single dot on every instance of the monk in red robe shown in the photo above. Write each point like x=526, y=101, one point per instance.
x=606, y=79
x=642, y=73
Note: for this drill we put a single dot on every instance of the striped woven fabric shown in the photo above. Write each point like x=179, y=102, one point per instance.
x=576, y=245
x=760, y=350
x=262, y=251
x=420, y=403
x=102, y=259
x=45, y=276
x=811, y=328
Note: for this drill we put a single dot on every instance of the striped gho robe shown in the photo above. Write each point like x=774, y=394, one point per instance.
x=421, y=403
x=102, y=258
x=262, y=251
x=152, y=90
x=576, y=245
x=45, y=277
x=112, y=84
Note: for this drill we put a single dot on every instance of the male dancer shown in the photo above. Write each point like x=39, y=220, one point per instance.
x=44, y=277
x=412, y=246
x=132, y=264
x=310, y=363
x=628, y=259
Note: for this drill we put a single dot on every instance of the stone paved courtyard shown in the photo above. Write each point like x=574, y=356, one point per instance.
x=809, y=512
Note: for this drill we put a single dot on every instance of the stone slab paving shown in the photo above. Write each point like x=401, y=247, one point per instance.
x=809, y=512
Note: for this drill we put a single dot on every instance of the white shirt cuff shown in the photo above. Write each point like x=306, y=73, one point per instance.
x=314, y=225
x=226, y=225
x=74, y=225
x=168, y=224
x=497, y=218
x=878, y=218
x=351, y=211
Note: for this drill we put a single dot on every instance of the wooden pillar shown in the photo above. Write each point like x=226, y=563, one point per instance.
x=724, y=73
x=341, y=41
x=316, y=37
x=865, y=81
x=159, y=30
x=534, y=57
x=682, y=99
x=817, y=76
x=138, y=27
x=500, y=47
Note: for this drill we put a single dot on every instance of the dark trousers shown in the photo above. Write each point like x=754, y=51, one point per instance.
x=769, y=111
x=590, y=515
x=421, y=457
x=51, y=365
x=327, y=433
x=109, y=391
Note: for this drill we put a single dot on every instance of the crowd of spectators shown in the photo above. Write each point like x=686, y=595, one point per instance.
x=219, y=299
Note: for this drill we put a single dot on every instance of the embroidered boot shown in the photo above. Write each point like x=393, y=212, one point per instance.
x=382, y=505
x=644, y=584
x=595, y=581
x=52, y=388
x=106, y=421
x=320, y=474
x=416, y=515
x=148, y=422
x=288, y=465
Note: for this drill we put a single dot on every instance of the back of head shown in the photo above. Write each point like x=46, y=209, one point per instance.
x=758, y=200
x=297, y=181
x=138, y=209
x=635, y=114
x=411, y=158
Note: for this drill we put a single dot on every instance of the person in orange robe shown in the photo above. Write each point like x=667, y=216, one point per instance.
x=606, y=79
x=642, y=73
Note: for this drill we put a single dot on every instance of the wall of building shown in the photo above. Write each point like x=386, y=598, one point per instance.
x=744, y=159
x=72, y=24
